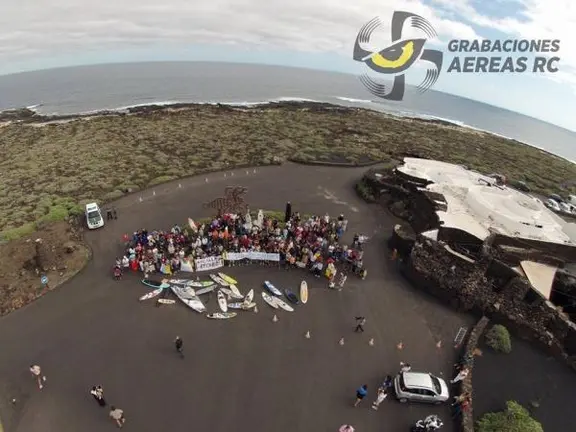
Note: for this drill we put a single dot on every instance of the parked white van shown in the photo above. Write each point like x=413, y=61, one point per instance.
x=94, y=217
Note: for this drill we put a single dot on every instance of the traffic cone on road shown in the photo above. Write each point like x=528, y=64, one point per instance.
x=255, y=309
x=307, y=335
x=275, y=318
x=439, y=344
x=371, y=342
x=400, y=346
x=341, y=341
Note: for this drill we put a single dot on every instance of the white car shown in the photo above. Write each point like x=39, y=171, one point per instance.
x=420, y=387
x=552, y=205
x=566, y=208
x=94, y=217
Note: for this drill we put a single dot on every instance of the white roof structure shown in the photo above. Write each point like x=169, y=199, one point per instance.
x=541, y=276
x=478, y=208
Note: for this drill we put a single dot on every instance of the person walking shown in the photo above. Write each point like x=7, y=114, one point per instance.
x=179, y=345
x=346, y=428
x=360, y=322
x=117, y=415
x=405, y=367
x=98, y=393
x=36, y=372
x=382, y=394
x=361, y=394
x=462, y=406
x=461, y=375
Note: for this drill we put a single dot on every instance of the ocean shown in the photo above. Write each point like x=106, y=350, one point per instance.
x=115, y=86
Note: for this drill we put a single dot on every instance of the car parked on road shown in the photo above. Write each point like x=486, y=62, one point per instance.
x=552, y=205
x=420, y=387
x=94, y=217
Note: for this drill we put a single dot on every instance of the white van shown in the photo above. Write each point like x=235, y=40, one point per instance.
x=94, y=217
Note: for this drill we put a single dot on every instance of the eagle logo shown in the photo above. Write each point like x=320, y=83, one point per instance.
x=398, y=57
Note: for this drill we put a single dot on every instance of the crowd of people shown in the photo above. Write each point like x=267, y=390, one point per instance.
x=307, y=242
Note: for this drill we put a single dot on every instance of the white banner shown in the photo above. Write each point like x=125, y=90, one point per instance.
x=209, y=263
x=257, y=256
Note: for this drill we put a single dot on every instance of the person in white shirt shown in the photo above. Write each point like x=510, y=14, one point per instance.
x=380, y=398
x=117, y=415
x=37, y=373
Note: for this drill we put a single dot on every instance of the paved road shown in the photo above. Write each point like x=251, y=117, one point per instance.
x=244, y=374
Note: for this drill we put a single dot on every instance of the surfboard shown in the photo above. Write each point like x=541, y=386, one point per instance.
x=189, y=298
x=249, y=297
x=155, y=284
x=272, y=289
x=292, y=298
x=304, y=292
x=241, y=305
x=236, y=292
x=230, y=293
x=228, y=279
x=270, y=300
x=219, y=280
x=222, y=302
x=283, y=305
x=151, y=294
x=166, y=301
x=221, y=315
x=191, y=283
x=205, y=290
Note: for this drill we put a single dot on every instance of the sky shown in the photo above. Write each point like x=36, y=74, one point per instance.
x=318, y=34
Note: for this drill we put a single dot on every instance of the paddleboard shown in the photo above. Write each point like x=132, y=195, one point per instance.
x=304, y=292
x=241, y=305
x=155, y=284
x=229, y=292
x=151, y=294
x=205, y=290
x=219, y=280
x=283, y=305
x=222, y=301
x=191, y=283
x=221, y=315
x=188, y=297
x=270, y=300
x=236, y=292
x=166, y=301
x=249, y=297
x=272, y=289
x=291, y=296
x=228, y=279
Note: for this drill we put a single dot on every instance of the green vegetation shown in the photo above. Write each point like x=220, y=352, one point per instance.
x=515, y=418
x=498, y=338
x=364, y=191
x=46, y=168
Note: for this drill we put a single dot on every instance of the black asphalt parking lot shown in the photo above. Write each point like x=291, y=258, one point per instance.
x=244, y=374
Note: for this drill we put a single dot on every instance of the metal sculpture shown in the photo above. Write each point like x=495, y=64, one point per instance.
x=231, y=202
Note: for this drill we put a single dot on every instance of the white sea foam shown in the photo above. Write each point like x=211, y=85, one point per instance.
x=347, y=99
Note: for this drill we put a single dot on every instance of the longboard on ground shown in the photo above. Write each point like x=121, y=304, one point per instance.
x=151, y=294
x=269, y=300
x=304, y=292
x=155, y=284
x=219, y=280
x=228, y=279
x=241, y=305
x=221, y=315
x=222, y=301
x=272, y=289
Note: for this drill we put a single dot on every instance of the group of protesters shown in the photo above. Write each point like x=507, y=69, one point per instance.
x=301, y=242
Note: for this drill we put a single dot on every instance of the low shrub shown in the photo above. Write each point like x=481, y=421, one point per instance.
x=364, y=191
x=19, y=232
x=55, y=213
x=515, y=418
x=498, y=338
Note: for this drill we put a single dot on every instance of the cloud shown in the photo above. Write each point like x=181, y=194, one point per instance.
x=36, y=28
x=534, y=19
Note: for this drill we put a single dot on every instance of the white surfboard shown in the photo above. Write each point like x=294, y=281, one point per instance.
x=219, y=280
x=221, y=315
x=249, y=297
x=166, y=301
x=304, y=292
x=151, y=294
x=222, y=301
x=241, y=305
x=205, y=290
x=230, y=293
x=191, y=283
x=270, y=300
x=283, y=305
x=236, y=292
x=189, y=298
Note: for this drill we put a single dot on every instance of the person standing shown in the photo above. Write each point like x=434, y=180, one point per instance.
x=37, y=374
x=179, y=345
x=405, y=367
x=98, y=394
x=360, y=322
x=361, y=394
x=461, y=375
x=379, y=398
x=346, y=428
x=117, y=415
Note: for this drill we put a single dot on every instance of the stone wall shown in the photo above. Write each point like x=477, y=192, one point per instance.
x=467, y=286
x=467, y=418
